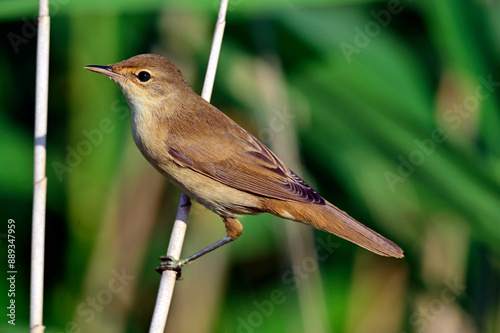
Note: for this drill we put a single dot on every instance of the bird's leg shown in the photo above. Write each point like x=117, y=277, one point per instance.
x=233, y=231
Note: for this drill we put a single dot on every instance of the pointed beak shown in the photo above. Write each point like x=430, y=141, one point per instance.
x=106, y=70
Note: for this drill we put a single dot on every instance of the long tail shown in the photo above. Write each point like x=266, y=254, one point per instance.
x=329, y=218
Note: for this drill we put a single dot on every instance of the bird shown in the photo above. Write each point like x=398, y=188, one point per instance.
x=217, y=163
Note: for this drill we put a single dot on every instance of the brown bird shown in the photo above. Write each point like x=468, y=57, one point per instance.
x=216, y=162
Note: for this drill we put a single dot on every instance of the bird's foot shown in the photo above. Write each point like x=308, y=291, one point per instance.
x=170, y=264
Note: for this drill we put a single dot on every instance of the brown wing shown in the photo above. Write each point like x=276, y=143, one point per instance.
x=223, y=151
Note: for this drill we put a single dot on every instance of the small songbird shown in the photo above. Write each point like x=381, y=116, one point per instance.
x=216, y=162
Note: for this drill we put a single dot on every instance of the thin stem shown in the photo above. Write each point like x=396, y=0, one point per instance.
x=40, y=180
x=168, y=278
x=208, y=85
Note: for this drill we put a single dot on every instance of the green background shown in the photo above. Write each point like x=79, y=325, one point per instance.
x=389, y=109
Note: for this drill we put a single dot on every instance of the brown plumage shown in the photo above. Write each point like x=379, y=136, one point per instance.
x=216, y=162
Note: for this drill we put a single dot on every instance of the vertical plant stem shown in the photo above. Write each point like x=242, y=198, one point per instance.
x=168, y=278
x=40, y=181
x=167, y=283
x=208, y=85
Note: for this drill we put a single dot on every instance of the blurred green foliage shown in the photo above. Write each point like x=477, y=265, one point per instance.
x=394, y=112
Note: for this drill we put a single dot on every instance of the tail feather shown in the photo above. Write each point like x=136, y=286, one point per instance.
x=329, y=218
x=337, y=222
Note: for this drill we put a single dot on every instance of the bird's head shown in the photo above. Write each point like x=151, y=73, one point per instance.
x=146, y=79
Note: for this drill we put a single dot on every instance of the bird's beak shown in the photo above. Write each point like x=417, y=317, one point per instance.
x=106, y=70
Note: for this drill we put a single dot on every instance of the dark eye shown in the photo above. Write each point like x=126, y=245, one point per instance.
x=144, y=76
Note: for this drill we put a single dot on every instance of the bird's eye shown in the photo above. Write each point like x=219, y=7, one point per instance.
x=144, y=76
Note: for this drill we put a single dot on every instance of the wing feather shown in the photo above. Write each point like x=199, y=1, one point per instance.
x=225, y=152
